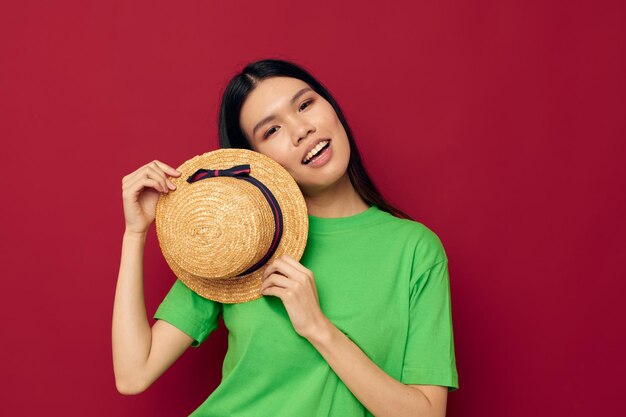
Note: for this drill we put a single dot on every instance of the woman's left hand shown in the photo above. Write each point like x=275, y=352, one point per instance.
x=294, y=284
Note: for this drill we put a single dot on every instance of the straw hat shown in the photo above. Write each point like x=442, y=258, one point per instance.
x=233, y=211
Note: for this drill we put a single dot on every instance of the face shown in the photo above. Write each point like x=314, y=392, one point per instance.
x=283, y=118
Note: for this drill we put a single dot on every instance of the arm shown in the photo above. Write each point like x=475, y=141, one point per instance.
x=140, y=354
x=381, y=394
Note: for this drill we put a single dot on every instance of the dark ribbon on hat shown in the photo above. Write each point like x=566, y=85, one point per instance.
x=242, y=172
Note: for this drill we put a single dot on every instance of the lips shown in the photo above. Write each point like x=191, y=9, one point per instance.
x=311, y=147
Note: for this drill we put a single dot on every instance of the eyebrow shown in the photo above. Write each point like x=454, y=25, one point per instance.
x=273, y=116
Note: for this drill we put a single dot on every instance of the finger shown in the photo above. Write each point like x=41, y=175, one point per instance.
x=144, y=172
x=282, y=267
x=159, y=175
x=307, y=273
x=293, y=262
x=166, y=168
x=149, y=182
x=155, y=181
x=156, y=165
x=276, y=280
x=163, y=173
x=275, y=291
x=299, y=272
x=144, y=182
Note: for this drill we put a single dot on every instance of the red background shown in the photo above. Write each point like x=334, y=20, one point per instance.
x=498, y=124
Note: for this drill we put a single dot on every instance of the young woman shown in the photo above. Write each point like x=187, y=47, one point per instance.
x=360, y=326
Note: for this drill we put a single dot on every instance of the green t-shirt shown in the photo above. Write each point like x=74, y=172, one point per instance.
x=383, y=281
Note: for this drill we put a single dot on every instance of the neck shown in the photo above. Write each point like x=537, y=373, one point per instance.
x=338, y=200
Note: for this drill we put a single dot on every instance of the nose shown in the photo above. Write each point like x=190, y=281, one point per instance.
x=302, y=129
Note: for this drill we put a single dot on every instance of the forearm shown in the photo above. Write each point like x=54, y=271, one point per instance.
x=381, y=394
x=131, y=332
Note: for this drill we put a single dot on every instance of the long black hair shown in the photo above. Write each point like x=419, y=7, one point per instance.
x=232, y=136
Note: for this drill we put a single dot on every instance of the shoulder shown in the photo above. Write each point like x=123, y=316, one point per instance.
x=421, y=236
x=419, y=241
x=424, y=244
x=429, y=244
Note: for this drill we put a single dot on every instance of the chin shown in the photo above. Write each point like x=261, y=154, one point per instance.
x=322, y=182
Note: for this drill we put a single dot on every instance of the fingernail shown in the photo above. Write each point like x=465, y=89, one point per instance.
x=171, y=185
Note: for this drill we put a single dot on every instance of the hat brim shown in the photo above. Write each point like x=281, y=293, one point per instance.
x=294, y=212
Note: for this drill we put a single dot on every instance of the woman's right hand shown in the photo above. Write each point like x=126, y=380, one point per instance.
x=140, y=193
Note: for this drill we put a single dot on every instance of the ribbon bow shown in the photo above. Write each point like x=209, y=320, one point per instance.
x=236, y=171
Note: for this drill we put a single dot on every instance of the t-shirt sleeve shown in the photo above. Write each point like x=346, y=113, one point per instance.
x=429, y=356
x=189, y=312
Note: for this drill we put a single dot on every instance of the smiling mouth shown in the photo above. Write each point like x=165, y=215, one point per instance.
x=318, y=154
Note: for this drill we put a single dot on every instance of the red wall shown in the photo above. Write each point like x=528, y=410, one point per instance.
x=498, y=124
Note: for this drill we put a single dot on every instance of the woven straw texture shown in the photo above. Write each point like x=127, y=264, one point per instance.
x=213, y=229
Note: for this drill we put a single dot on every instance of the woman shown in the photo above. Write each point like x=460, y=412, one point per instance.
x=361, y=325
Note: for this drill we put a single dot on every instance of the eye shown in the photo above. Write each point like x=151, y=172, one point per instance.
x=303, y=106
x=307, y=103
x=267, y=133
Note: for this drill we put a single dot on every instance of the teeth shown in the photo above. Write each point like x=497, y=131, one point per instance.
x=314, y=151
